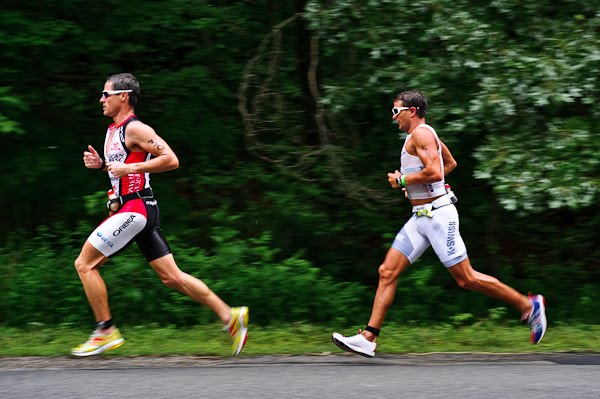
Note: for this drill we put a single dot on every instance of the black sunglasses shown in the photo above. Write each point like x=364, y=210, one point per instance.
x=109, y=93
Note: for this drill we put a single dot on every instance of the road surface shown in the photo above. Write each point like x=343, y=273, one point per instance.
x=489, y=376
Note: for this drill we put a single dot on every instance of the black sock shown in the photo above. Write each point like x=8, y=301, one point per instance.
x=373, y=330
x=103, y=325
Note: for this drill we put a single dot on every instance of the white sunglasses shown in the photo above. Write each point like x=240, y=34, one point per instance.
x=397, y=110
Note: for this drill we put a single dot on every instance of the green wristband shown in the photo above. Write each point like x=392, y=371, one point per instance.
x=403, y=181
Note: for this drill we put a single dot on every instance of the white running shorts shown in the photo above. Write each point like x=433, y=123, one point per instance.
x=116, y=232
x=440, y=231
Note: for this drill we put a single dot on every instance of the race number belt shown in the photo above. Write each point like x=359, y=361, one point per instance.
x=427, y=209
x=122, y=199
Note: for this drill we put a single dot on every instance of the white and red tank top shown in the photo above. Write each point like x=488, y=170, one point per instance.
x=115, y=150
x=412, y=164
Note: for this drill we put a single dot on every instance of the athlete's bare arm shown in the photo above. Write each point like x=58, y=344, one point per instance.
x=141, y=137
x=425, y=146
x=449, y=161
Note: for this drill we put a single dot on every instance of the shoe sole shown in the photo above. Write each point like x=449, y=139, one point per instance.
x=110, y=346
x=345, y=347
x=544, y=321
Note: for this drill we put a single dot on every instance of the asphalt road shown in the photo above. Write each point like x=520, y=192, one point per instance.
x=548, y=376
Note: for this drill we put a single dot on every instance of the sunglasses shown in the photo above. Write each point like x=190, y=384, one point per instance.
x=109, y=93
x=396, y=110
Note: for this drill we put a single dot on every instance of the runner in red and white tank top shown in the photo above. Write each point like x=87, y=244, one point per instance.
x=133, y=150
x=134, y=213
x=115, y=150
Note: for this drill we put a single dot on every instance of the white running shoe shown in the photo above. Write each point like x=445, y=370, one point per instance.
x=355, y=344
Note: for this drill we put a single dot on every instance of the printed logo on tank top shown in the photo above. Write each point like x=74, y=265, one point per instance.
x=115, y=150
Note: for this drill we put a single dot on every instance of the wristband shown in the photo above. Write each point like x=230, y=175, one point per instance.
x=103, y=164
x=401, y=180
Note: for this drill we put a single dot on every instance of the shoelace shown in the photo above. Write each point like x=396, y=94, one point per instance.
x=232, y=327
x=91, y=338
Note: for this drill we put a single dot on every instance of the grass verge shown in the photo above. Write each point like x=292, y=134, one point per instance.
x=302, y=338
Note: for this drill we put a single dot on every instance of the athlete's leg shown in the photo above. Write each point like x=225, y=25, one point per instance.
x=111, y=236
x=470, y=279
x=395, y=262
x=409, y=244
x=103, y=338
x=444, y=233
x=364, y=343
x=173, y=277
x=87, y=265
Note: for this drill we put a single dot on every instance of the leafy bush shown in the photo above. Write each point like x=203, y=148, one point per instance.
x=40, y=283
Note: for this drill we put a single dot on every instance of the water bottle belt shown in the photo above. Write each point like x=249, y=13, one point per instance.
x=426, y=209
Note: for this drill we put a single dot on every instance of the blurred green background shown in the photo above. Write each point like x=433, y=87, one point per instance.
x=280, y=115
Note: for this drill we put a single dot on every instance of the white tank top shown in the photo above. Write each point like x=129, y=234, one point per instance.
x=410, y=164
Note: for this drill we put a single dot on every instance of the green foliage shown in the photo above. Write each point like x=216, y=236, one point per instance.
x=300, y=232
x=527, y=91
x=555, y=179
x=40, y=284
x=14, y=105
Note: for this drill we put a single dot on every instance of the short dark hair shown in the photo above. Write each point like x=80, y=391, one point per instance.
x=413, y=98
x=126, y=81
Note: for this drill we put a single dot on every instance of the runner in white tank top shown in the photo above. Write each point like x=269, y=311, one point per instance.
x=412, y=164
x=424, y=162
